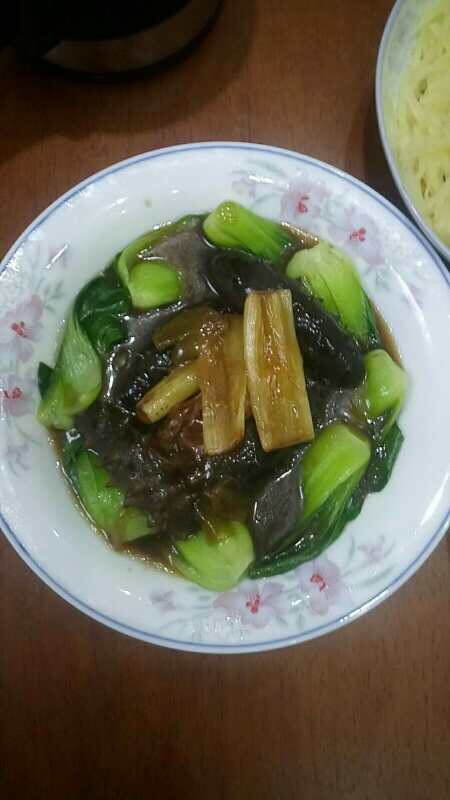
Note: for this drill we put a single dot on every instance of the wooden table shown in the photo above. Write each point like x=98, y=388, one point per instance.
x=88, y=713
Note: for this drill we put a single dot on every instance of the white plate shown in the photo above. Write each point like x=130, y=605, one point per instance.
x=398, y=39
x=74, y=239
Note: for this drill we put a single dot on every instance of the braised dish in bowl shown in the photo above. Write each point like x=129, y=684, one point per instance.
x=222, y=403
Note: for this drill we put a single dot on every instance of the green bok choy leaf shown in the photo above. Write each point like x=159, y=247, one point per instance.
x=152, y=281
x=76, y=380
x=332, y=468
x=232, y=225
x=378, y=472
x=215, y=561
x=330, y=276
x=384, y=389
x=44, y=376
x=100, y=307
x=95, y=325
x=338, y=454
x=105, y=503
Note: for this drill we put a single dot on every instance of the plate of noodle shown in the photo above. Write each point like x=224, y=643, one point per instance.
x=413, y=108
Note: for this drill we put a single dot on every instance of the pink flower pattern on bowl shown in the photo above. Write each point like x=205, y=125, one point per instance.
x=310, y=205
x=375, y=551
x=16, y=396
x=20, y=328
x=166, y=601
x=39, y=287
x=353, y=231
x=254, y=605
x=302, y=201
x=321, y=582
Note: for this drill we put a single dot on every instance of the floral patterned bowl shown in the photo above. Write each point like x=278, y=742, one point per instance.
x=398, y=40
x=75, y=238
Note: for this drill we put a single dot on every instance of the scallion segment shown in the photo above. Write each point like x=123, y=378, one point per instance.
x=223, y=385
x=176, y=387
x=276, y=380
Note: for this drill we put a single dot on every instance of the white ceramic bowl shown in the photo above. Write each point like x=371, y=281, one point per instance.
x=393, y=55
x=74, y=239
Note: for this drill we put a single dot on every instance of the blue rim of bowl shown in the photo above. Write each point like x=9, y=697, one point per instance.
x=179, y=644
x=440, y=246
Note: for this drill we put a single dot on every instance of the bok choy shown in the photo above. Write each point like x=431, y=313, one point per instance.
x=232, y=225
x=101, y=307
x=332, y=468
x=382, y=462
x=75, y=382
x=152, y=281
x=95, y=325
x=384, y=387
x=215, y=561
x=330, y=276
x=44, y=376
x=338, y=454
x=105, y=503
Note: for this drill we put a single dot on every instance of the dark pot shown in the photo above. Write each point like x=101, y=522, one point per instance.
x=98, y=37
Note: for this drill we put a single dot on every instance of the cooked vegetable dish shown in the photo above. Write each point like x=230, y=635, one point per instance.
x=224, y=397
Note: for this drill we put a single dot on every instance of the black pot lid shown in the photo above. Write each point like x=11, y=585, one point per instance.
x=36, y=27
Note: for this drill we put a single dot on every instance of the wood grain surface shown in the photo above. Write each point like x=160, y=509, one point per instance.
x=88, y=713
